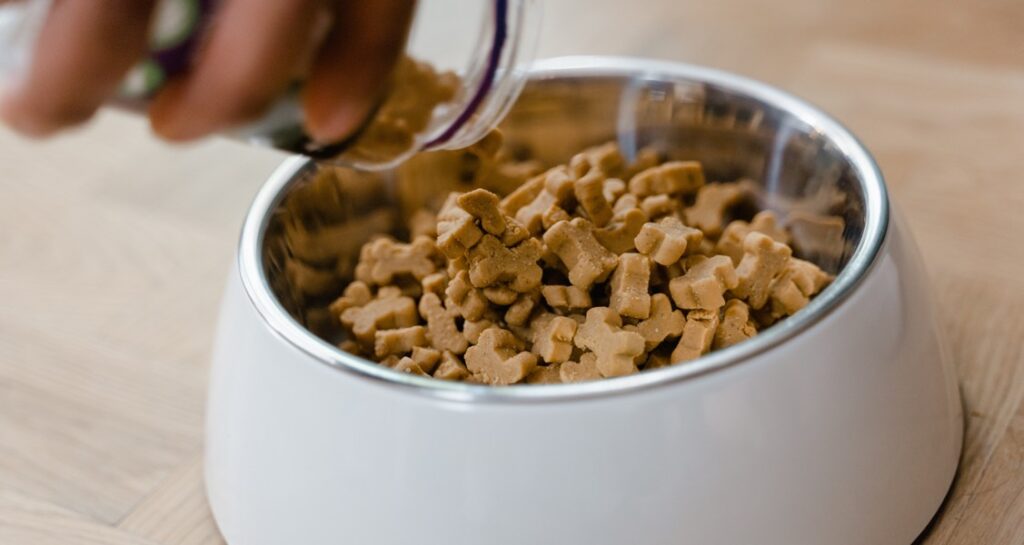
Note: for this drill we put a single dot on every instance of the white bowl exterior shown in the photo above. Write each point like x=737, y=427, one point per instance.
x=849, y=433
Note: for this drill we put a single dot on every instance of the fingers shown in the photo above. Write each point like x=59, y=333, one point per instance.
x=84, y=50
x=351, y=69
x=253, y=53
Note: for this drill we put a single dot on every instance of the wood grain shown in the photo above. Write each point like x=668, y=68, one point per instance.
x=114, y=248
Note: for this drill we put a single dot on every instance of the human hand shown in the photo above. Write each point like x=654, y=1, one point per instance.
x=342, y=49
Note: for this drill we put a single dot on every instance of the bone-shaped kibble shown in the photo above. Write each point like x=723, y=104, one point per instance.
x=522, y=195
x=604, y=158
x=763, y=260
x=545, y=374
x=553, y=215
x=575, y=244
x=612, y=189
x=426, y=358
x=714, y=201
x=457, y=231
x=552, y=337
x=491, y=262
x=793, y=289
x=619, y=236
x=442, y=331
x=736, y=325
x=501, y=295
x=381, y=260
x=630, y=295
x=667, y=240
x=388, y=342
x=704, y=284
x=566, y=298
x=499, y=358
x=356, y=294
x=518, y=312
x=616, y=350
x=451, y=368
x=483, y=205
x=581, y=371
x=698, y=334
x=590, y=194
x=388, y=311
x=674, y=178
x=664, y=322
x=558, y=188
x=657, y=206
x=468, y=300
x=407, y=365
x=731, y=241
x=435, y=283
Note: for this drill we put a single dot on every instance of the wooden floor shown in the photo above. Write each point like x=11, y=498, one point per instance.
x=114, y=249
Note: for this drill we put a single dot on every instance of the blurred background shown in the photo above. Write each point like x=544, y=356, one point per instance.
x=114, y=248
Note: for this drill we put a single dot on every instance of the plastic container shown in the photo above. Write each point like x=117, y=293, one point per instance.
x=488, y=45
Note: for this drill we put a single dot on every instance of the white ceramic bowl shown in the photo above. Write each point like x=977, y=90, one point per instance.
x=840, y=425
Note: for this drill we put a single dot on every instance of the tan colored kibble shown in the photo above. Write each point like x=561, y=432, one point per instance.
x=763, y=260
x=705, y=283
x=616, y=349
x=502, y=290
x=499, y=358
x=736, y=325
x=630, y=286
x=552, y=337
x=574, y=243
x=667, y=240
x=698, y=334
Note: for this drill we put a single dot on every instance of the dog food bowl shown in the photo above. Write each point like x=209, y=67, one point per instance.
x=841, y=424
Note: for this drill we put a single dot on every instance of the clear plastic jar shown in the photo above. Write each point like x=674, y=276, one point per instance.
x=487, y=44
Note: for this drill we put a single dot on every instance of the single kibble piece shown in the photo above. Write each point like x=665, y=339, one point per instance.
x=545, y=374
x=657, y=206
x=356, y=294
x=451, y=368
x=388, y=311
x=552, y=337
x=630, y=284
x=388, y=342
x=793, y=289
x=582, y=371
x=483, y=205
x=672, y=178
x=409, y=366
x=566, y=298
x=469, y=301
x=667, y=240
x=616, y=350
x=435, y=283
x=714, y=201
x=457, y=231
x=698, y=333
x=381, y=260
x=763, y=260
x=518, y=312
x=441, y=327
x=499, y=358
x=619, y=236
x=574, y=243
x=704, y=284
x=817, y=235
x=426, y=358
x=736, y=325
x=664, y=322
x=491, y=262
x=731, y=241
x=590, y=195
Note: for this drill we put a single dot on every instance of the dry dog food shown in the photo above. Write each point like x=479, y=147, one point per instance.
x=597, y=268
